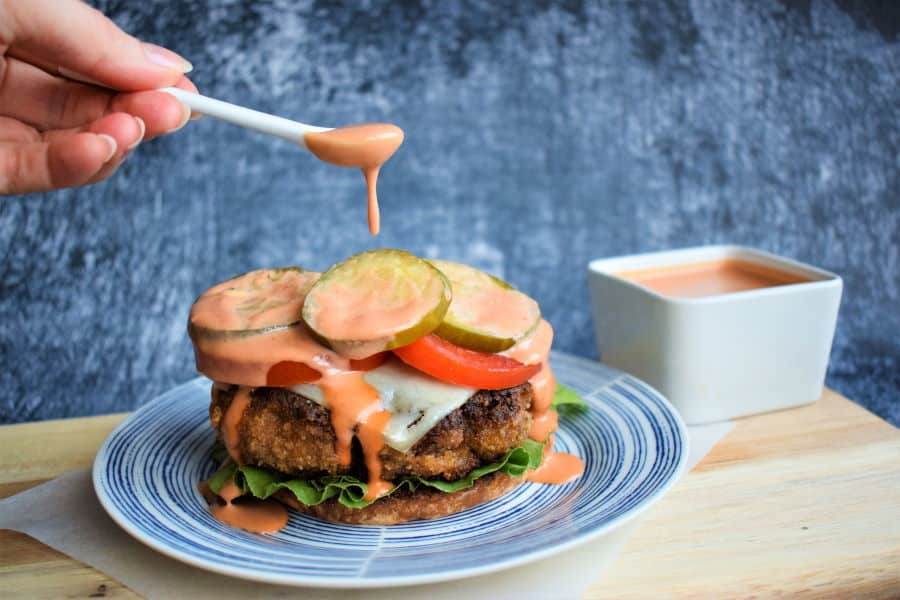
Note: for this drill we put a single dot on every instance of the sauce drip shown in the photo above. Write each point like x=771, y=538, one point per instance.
x=251, y=514
x=543, y=385
x=711, y=278
x=542, y=426
x=371, y=437
x=232, y=420
x=371, y=176
x=557, y=468
x=366, y=146
x=350, y=399
x=352, y=402
x=535, y=348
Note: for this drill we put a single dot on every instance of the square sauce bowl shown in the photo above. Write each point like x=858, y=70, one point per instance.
x=721, y=331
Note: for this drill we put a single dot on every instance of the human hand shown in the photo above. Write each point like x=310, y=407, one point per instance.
x=56, y=132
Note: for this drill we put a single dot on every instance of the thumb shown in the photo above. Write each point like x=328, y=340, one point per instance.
x=43, y=166
x=81, y=42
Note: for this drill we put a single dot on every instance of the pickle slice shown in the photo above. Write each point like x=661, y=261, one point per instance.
x=375, y=301
x=254, y=303
x=487, y=314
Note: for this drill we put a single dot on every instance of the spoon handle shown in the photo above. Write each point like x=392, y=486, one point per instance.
x=293, y=131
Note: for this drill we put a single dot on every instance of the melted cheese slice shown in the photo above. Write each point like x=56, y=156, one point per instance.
x=417, y=401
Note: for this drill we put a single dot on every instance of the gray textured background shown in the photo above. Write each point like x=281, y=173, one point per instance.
x=539, y=136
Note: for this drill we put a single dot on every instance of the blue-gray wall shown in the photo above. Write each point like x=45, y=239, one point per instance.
x=538, y=137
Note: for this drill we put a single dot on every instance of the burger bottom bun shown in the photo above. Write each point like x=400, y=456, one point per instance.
x=424, y=503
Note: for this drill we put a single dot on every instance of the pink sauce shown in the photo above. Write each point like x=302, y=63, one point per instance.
x=543, y=425
x=366, y=146
x=241, y=303
x=356, y=313
x=544, y=386
x=535, y=348
x=557, y=467
x=354, y=405
x=485, y=305
x=371, y=177
x=368, y=320
x=232, y=420
x=711, y=278
x=351, y=400
x=251, y=514
x=247, y=361
x=371, y=438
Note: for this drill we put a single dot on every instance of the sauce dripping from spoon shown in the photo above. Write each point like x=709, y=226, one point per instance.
x=366, y=146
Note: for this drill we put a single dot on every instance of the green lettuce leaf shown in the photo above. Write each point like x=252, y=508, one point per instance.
x=222, y=475
x=566, y=401
x=351, y=492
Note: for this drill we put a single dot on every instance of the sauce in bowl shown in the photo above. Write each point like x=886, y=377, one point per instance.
x=710, y=278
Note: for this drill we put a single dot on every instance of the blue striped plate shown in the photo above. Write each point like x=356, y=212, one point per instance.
x=633, y=444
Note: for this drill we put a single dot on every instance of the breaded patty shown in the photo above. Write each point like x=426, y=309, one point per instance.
x=287, y=432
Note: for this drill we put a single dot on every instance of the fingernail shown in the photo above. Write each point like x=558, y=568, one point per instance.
x=143, y=128
x=69, y=74
x=166, y=58
x=185, y=118
x=113, y=146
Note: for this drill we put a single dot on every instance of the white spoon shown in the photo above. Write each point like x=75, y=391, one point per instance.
x=293, y=131
x=365, y=146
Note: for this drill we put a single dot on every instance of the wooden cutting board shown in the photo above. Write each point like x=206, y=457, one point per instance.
x=798, y=503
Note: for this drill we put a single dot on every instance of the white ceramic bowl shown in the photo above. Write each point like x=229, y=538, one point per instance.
x=724, y=356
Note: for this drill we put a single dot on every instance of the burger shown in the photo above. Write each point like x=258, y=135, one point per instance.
x=387, y=389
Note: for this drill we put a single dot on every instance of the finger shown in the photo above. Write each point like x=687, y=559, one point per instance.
x=124, y=129
x=43, y=166
x=80, y=40
x=127, y=131
x=48, y=102
x=184, y=83
x=12, y=130
x=188, y=85
x=161, y=112
x=107, y=170
x=127, y=139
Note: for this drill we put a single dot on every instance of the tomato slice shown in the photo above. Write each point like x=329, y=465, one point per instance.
x=287, y=373
x=449, y=362
x=370, y=362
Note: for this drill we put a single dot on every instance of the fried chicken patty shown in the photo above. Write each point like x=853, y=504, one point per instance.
x=285, y=431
